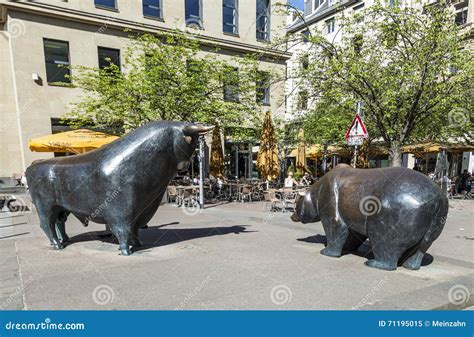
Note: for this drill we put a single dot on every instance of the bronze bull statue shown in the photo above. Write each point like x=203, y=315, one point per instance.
x=399, y=210
x=120, y=184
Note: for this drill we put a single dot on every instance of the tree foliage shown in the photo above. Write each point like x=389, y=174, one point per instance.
x=167, y=77
x=407, y=65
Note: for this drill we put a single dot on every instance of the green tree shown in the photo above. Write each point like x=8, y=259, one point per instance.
x=167, y=77
x=407, y=65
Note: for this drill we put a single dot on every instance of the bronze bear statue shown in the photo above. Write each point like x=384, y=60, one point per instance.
x=401, y=211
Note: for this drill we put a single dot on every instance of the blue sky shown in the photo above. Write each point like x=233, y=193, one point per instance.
x=297, y=3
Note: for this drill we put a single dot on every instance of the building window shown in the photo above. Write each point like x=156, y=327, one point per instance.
x=230, y=19
x=153, y=8
x=263, y=88
x=461, y=16
x=263, y=20
x=317, y=4
x=330, y=26
x=108, y=56
x=56, y=54
x=302, y=100
x=306, y=35
x=110, y=4
x=231, y=85
x=193, y=13
x=305, y=61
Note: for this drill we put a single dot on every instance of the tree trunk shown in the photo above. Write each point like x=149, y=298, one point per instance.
x=395, y=154
x=363, y=157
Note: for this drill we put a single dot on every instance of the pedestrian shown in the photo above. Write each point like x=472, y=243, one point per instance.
x=464, y=178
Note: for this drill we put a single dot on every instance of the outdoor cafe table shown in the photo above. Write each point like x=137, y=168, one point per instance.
x=286, y=190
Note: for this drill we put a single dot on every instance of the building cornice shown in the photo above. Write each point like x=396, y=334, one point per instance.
x=316, y=17
x=121, y=24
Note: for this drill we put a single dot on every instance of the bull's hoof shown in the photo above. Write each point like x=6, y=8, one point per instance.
x=380, y=265
x=125, y=252
x=65, y=240
x=330, y=253
x=58, y=246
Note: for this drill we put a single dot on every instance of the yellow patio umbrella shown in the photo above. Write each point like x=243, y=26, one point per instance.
x=301, y=153
x=75, y=141
x=267, y=159
x=217, y=155
x=315, y=151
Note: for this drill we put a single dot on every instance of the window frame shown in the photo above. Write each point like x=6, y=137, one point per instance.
x=232, y=96
x=109, y=49
x=302, y=104
x=263, y=85
x=154, y=17
x=200, y=19
x=330, y=23
x=267, y=25
x=236, y=18
x=101, y=6
x=68, y=80
x=320, y=4
x=463, y=14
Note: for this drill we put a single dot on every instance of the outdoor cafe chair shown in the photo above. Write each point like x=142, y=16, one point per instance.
x=245, y=193
x=290, y=200
x=257, y=192
x=186, y=197
x=172, y=193
x=269, y=196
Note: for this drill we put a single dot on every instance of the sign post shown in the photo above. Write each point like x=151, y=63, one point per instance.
x=356, y=134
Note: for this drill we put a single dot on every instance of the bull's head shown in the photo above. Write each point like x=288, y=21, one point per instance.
x=185, y=145
x=307, y=209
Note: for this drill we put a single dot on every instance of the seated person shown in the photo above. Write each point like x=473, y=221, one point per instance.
x=306, y=180
x=289, y=181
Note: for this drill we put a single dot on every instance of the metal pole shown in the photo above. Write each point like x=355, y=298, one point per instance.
x=201, y=172
x=250, y=160
x=355, y=155
x=237, y=161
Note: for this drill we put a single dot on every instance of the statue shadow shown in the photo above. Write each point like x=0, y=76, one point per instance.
x=364, y=250
x=157, y=236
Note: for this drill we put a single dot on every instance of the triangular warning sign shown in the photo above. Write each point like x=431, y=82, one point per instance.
x=357, y=128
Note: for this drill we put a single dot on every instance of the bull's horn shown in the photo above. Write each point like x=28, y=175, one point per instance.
x=192, y=129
